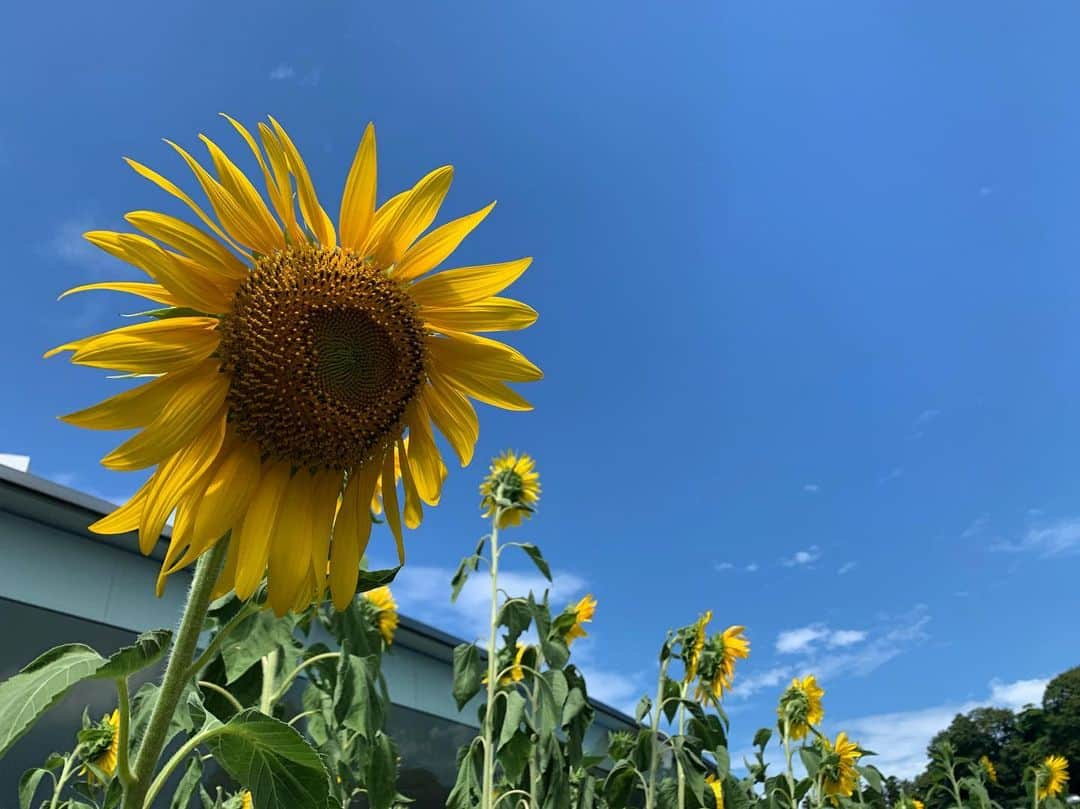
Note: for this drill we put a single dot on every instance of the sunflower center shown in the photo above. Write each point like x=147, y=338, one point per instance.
x=325, y=354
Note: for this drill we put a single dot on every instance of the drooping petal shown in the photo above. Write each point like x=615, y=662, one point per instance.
x=200, y=398
x=126, y=517
x=189, y=240
x=428, y=468
x=352, y=531
x=313, y=212
x=155, y=347
x=174, y=477
x=229, y=489
x=358, y=199
x=414, y=511
x=291, y=543
x=453, y=415
x=152, y=292
x=324, y=507
x=480, y=356
x=468, y=284
x=135, y=407
x=257, y=527
x=489, y=314
x=414, y=215
x=434, y=248
x=390, y=503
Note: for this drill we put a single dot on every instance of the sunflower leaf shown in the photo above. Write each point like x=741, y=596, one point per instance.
x=468, y=673
x=148, y=648
x=40, y=685
x=538, y=559
x=370, y=579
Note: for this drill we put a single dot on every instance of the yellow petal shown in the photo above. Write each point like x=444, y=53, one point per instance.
x=154, y=347
x=229, y=489
x=189, y=240
x=257, y=527
x=414, y=511
x=245, y=194
x=126, y=517
x=358, y=200
x=314, y=215
x=390, y=503
x=489, y=391
x=489, y=314
x=414, y=215
x=135, y=407
x=173, y=479
x=385, y=215
x=280, y=195
x=436, y=247
x=229, y=211
x=468, y=284
x=228, y=571
x=480, y=356
x=180, y=541
x=352, y=531
x=453, y=415
x=192, y=285
x=428, y=468
x=324, y=508
x=153, y=292
x=200, y=398
x=171, y=188
x=291, y=543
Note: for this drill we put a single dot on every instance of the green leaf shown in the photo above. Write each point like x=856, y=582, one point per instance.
x=761, y=738
x=811, y=759
x=113, y=795
x=254, y=637
x=40, y=685
x=147, y=650
x=466, y=791
x=537, y=558
x=872, y=776
x=619, y=784
x=574, y=705
x=272, y=761
x=514, y=755
x=381, y=774
x=723, y=762
x=189, y=782
x=363, y=711
x=516, y=616
x=672, y=696
x=515, y=712
x=370, y=579
x=643, y=707
x=552, y=697
x=28, y=785
x=468, y=673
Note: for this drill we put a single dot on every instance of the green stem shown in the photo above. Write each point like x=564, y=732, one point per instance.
x=176, y=759
x=249, y=608
x=284, y=688
x=65, y=774
x=654, y=757
x=1035, y=792
x=223, y=692
x=268, y=697
x=175, y=678
x=488, y=787
x=679, y=772
x=123, y=765
x=787, y=758
x=534, y=759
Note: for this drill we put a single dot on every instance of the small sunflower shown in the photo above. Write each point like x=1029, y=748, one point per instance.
x=513, y=478
x=290, y=364
x=838, y=766
x=693, y=644
x=801, y=706
x=1052, y=776
x=917, y=804
x=386, y=614
x=245, y=800
x=516, y=673
x=717, y=666
x=988, y=768
x=583, y=611
x=716, y=786
x=102, y=745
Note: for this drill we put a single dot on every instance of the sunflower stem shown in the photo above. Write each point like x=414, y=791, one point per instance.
x=487, y=793
x=65, y=774
x=175, y=679
x=268, y=696
x=284, y=687
x=787, y=757
x=123, y=765
x=680, y=772
x=654, y=757
x=201, y=662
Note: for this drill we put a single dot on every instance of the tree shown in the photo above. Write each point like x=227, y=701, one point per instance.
x=1061, y=709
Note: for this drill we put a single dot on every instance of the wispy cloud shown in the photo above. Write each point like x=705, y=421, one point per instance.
x=804, y=557
x=895, y=473
x=282, y=72
x=753, y=567
x=918, y=427
x=846, y=568
x=804, y=640
x=720, y=567
x=286, y=72
x=811, y=488
x=901, y=738
x=1056, y=539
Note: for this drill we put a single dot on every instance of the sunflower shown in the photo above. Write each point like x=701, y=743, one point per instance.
x=245, y=800
x=516, y=673
x=988, y=768
x=513, y=478
x=1051, y=777
x=102, y=745
x=717, y=788
x=583, y=611
x=838, y=766
x=800, y=705
x=717, y=666
x=386, y=614
x=291, y=361
x=695, y=642
x=917, y=804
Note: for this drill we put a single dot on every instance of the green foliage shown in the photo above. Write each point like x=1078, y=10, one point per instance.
x=148, y=648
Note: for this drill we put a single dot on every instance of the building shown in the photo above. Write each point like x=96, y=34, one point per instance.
x=61, y=584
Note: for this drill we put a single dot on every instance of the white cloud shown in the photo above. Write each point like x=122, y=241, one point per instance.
x=846, y=568
x=753, y=567
x=719, y=567
x=845, y=637
x=804, y=639
x=282, y=72
x=806, y=557
x=1056, y=539
x=920, y=423
x=895, y=473
x=900, y=739
x=812, y=488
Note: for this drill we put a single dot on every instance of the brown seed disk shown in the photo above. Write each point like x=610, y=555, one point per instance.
x=325, y=353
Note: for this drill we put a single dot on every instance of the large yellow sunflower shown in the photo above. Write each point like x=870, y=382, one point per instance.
x=385, y=610
x=296, y=366
x=839, y=776
x=800, y=704
x=717, y=666
x=1052, y=776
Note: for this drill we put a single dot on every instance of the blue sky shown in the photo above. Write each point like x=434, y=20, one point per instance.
x=808, y=294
